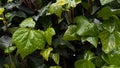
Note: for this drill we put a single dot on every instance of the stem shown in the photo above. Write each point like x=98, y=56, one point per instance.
x=5, y=22
x=12, y=63
x=90, y=6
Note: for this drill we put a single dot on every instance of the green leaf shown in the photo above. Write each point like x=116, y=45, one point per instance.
x=48, y=35
x=111, y=66
x=103, y=2
x=28, y=22
x=55, y=9
x=56, y=58
x=2, y=10
x=109, y=40
x=61, y=2
x=72, y=3
x=89, y=55
x=105, y=12
x=92, y=40
x=113, y=57
x=84, y=64
x=46, y=53
x=10, y=49
x=109, y=25
x=55, y=67
x=70, y=33
x=27, y=40
x=5, y=42
x=84, y=28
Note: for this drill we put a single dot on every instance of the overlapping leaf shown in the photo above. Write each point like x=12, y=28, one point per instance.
x=109, y=40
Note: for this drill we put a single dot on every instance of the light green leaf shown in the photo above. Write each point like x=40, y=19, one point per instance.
x=10, y=49
x=48, y=35
x=103, y=2
x=55, y=67
x=46, y=53
x=28, y=22
x=56, y=58
x=70, y=33
x=109, y=40
x=55, y=9
x=111, y=66
x=61, y=2
x=84, y=64
x=84, y=28
x=92, y=40
x=105, y=12
x=27, y=41
x=2, y=10
x=72, y=3
x=89, y=55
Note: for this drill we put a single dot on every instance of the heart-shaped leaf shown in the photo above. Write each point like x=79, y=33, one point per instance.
x=27, y=40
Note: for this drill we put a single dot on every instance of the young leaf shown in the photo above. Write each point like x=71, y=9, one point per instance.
x=56, y=58
x=28, y=22
x=84, y=64
x=103, y=2
x=55, y=9
x=109, y=40
x=55, y=67
x=27, y=41
x=2, y=10
x=45, y=53
x=61, y=2
x=10, y=49
x=48, y=35
x=70, y=33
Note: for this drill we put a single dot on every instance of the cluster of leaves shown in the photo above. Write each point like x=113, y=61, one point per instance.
x=59, y=33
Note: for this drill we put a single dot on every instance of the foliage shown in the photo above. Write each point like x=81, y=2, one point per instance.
x=59, y=33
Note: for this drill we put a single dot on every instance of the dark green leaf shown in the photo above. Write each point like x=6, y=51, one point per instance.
x=84, y=64
x=28, y=22
x=27, y=41
x=109, y=40
x=105, y=12
x=48, y=35
x=46, y=53
x=84, y=28
x=70, y=33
